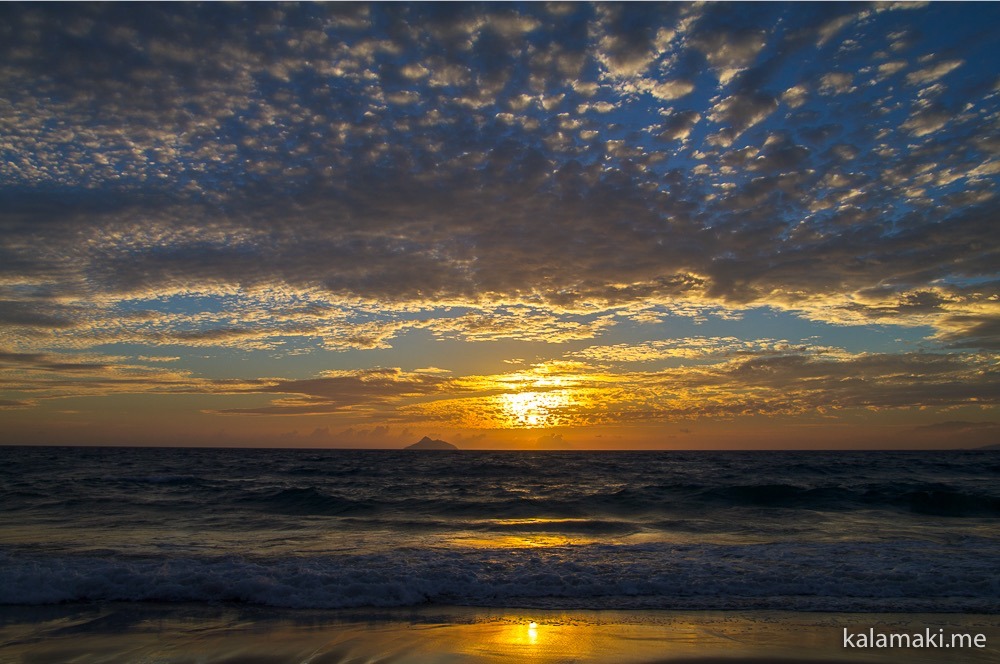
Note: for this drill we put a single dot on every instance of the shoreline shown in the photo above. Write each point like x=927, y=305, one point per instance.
x=213, y=634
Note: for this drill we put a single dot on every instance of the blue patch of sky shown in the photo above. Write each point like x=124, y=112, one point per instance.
x=767, y=323
x=181, y=304
x=416, y=349
x=216, y=362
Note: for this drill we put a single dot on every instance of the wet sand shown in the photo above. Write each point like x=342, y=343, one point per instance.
x=190, y=634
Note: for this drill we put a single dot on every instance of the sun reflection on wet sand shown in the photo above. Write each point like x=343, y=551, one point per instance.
x=515, y=638
x=440, y=635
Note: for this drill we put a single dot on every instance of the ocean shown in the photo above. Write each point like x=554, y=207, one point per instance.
x=350, y=529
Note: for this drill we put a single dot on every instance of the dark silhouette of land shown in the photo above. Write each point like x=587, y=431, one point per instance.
x=427, y=443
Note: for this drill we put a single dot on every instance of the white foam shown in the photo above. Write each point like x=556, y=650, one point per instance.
x=880, y=576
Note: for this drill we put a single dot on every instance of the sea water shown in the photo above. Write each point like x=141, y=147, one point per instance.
x=818, y=531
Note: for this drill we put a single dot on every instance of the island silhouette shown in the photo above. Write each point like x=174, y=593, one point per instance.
x=428, y=443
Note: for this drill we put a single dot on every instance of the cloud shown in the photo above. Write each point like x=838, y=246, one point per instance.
x=927, y=121
x=599, y=107
x=402, y=247
x=836, y=83
x=717, y=377
x=788, y=382
x=48, y=362
x=626, y=46
x=740, y=112
x=795, y=96
x=957, y=426
x=729, y=53
x=666, y=90
x=693, y=348
x=336, y=178
x=970, y=331
x=39, y=315
x=552, y=441
x=887, y=69
x=933, y=72
x=45, y=376
x=14, y=403
x=678, y=126
x=342, y=390
x=520, y=323
x=830, y=28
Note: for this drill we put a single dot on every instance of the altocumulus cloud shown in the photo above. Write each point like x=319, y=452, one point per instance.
x=244, y=176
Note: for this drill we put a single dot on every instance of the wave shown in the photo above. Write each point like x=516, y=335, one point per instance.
x=934, y=500
x=627, y=503
x=938, y=500
x=505, y=485
x=951, y=503
x=170, y=480
x=567, y=526
x=308, y=500
x=883, y=576
x=643, y=502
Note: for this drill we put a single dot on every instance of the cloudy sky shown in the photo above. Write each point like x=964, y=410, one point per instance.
x=542, y=225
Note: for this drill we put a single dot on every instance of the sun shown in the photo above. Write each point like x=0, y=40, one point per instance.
x=533, y=410
x=546, y=396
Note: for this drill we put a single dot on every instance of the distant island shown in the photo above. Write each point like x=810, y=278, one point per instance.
x=427, y=443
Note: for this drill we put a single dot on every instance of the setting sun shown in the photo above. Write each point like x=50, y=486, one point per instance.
x=534, y=409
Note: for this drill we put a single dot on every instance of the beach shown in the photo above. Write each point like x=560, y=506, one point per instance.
x=185, y=634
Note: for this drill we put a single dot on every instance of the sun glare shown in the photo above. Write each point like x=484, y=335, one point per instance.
x=543, y=397
x=532, y=410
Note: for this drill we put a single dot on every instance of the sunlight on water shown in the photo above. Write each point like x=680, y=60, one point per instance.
x=525, y=541
x=348, y=529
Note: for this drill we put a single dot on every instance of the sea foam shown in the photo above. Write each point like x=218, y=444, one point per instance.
x=883, y=576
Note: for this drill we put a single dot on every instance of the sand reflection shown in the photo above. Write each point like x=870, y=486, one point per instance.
x=446, y=635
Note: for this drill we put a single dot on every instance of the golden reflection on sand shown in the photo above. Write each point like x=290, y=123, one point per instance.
x=88, y=634
x=525, y=640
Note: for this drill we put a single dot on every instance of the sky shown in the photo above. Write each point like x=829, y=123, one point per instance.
x=526, y=226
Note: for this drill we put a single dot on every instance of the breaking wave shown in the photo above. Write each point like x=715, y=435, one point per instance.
x=909, y=576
